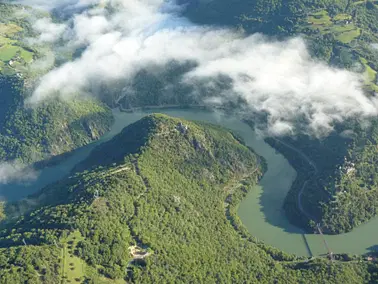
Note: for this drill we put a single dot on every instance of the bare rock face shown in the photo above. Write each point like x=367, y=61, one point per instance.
x=197, y=145
x=182, y=128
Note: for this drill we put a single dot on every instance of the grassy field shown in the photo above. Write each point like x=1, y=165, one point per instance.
x=320, y=18
x=10, y=50
x=342, y=17
x=72, y=266
x=9, y=29
x=370, y=75
x=7, y=52
x=339, y=25
x=348, y=36
x=27, y=56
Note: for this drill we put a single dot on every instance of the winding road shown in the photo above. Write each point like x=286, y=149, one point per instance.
x=313, y=165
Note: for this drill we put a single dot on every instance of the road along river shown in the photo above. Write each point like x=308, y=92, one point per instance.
x=261, y=211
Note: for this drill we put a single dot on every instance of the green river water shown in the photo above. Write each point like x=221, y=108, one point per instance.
x=261, y=211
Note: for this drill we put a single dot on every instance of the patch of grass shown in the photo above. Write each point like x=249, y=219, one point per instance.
x=320, y=18
x=370, y=75
x=9, y=47
x=73, y=267
x=26, y=55
x=370, y=72
x=5, y=40
x=343, y=28
x=9, y=29
x=348, y=36
x=7, y=52
x=342, y=17
x=374, y=87
x=344, y=33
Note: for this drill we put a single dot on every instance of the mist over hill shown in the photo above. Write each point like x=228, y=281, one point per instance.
x=54, y=127
x=159, y=200
x=146, y=52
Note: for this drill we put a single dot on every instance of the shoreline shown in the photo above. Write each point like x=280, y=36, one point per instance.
x=264, y=218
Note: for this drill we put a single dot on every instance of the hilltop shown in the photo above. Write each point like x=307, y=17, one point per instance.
x=154, y=205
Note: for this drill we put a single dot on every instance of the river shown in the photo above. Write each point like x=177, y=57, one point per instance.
x=261, y=211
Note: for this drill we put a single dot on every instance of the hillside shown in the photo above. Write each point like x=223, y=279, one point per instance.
x=339, y=32
x=29, y=134
x=154, y=205
x=343, y=192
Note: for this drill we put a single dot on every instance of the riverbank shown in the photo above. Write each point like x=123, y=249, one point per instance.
x=261, y=211
x=307, y=170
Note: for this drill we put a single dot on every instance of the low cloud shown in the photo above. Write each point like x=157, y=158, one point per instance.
x=11, y=172
x=276, y=78
x=48, y=31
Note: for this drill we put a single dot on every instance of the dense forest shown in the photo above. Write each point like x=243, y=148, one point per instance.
x=121, y=216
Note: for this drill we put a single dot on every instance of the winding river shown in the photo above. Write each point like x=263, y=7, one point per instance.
x=261, y=211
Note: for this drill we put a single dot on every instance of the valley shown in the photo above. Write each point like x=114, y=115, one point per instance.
x=341, y=34
x=56, y=194
x=165, y=148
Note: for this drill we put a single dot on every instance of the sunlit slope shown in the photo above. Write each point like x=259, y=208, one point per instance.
x=157, y=203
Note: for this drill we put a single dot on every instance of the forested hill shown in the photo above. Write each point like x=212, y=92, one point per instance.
x=51, y=128
x=278, y=16
x=159, y=207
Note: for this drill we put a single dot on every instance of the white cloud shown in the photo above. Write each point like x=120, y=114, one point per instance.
x=48, y=31
x=88, y=29
x=277, y=78
x=16, y=172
